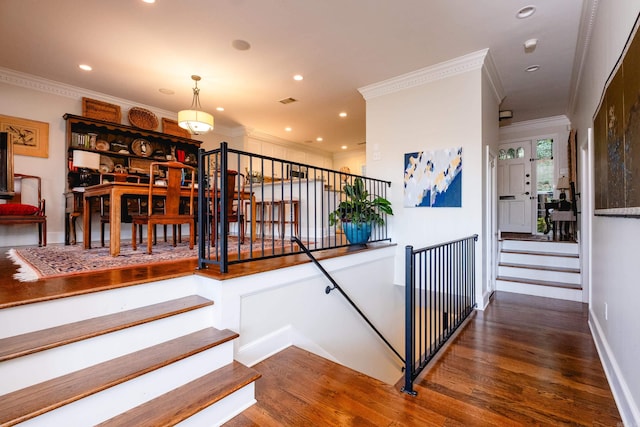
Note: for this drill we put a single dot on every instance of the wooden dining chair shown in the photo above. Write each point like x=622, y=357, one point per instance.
x=169, y=189
x=235, y=213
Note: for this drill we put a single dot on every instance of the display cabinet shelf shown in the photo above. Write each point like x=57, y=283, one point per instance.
x=122, y=149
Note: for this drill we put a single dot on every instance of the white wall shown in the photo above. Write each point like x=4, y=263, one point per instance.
x=442, y=113
x=355, y=160
x=615, y=241
x=284, y=307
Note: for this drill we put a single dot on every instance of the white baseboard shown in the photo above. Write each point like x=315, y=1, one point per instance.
x=624, y=400
x=270, y=344
x=264, y=347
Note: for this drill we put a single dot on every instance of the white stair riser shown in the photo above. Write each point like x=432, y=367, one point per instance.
x=537, y=246
x=28, y=370
x=115, y=400
x=33, y=317
x=549, y=276
x=542, y=291
x=540, y=260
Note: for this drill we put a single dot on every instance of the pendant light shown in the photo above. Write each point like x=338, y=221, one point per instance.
x=194, y=119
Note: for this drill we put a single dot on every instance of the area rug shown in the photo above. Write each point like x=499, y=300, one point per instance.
x=57, y=261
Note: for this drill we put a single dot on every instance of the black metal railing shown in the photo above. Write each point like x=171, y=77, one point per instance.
x=334, y=286
x=440, y=295
x=267, y=201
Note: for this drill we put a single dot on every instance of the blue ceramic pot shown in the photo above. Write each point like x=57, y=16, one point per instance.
x=357, y=234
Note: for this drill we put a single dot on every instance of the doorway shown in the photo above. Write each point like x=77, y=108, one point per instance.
x=515, y=187
x=526, y=177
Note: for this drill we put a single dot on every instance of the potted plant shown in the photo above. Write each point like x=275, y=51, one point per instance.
x=359, y=211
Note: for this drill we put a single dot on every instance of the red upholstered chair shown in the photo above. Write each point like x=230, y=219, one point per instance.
x=15, y=212
x=170, y=189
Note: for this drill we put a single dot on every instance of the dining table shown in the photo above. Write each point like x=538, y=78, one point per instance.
x=117, y=191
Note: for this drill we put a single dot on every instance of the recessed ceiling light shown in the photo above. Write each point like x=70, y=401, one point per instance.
x=344, y=147
x=241, y=45
x=319, y=139
x=343, y=114
x=532, y=68
x=526, y=12
x=298, y=77
x=219, y=108
x=149, y=1
x=85, y=67
x=288, y=129
x=166, y=91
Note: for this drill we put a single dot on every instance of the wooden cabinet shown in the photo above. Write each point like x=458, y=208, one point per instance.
x=122, y=149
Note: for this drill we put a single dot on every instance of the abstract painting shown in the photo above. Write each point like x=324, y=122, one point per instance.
x=433, y=178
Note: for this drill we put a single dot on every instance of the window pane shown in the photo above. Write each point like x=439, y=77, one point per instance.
x=544, y=148
x=520, y=152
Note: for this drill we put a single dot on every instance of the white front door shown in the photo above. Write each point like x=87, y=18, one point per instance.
x=515, y=194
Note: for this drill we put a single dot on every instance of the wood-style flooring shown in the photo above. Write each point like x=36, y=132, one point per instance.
x=523, y=361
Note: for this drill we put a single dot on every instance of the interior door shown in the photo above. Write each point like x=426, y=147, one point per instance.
x=515, y=194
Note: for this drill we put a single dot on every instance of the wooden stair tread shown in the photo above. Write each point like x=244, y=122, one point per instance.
x=44, y=339
x=540, y=282
x=37, y=399
x=540, y=267
x=183, y=402
x=539, y=253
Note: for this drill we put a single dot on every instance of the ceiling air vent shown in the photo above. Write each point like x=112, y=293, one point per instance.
x=288, y=100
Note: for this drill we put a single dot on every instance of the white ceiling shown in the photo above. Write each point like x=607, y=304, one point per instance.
x=337, y=45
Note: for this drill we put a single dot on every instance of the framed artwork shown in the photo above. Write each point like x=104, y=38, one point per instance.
x=616, y=133
x=433, y=178
x=30, y=137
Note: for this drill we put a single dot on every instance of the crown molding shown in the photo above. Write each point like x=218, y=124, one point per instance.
x=443, y=70
x=40, y=84
x=585, y=32
x=534, y=125
x=491, y=72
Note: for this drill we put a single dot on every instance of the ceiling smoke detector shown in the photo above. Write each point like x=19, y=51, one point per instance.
x=287, y=100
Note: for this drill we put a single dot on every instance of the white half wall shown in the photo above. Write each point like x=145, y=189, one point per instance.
x=284, y=307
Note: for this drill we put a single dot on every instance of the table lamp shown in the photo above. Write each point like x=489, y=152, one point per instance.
x=563, y=184
x=85, y=161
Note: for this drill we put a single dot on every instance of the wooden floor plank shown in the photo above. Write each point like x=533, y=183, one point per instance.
x=523, y=361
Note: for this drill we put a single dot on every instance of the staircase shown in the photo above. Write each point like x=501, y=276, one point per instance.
x=139, y=355
x=542, y=268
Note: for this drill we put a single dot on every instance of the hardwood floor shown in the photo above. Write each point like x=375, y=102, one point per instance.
x=523, y=361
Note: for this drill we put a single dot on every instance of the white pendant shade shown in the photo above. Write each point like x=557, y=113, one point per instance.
x=195, y=121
